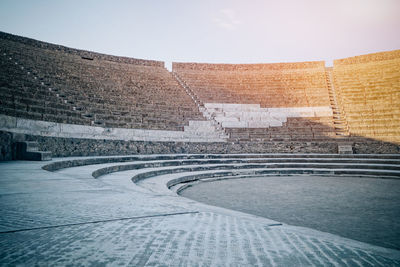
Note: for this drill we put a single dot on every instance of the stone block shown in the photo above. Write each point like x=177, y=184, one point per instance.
x=6, y=139
x=226, y=119
x=275, y=123
x=345, y=149
x=233, y=124
x=213, y=105
x=37, y=127
x=7, y=122
x=323, y=111
x=29, y=150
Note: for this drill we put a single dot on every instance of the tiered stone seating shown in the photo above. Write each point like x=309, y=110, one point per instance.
x=230, y=93
x=368, y=91
x=47, y=82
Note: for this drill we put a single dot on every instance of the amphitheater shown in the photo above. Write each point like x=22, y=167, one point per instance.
x=96, y=148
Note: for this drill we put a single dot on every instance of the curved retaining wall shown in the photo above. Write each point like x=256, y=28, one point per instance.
x=63, y=147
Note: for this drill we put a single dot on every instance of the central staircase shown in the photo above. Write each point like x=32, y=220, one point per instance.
x=339, y=121
x=200, y=105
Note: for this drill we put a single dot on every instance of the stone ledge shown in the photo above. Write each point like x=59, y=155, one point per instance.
x=193, y=133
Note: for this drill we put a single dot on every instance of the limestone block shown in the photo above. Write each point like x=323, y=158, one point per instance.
x=199, y=123
x=250, y=107
x=258, y=124
x=323, y=111
x=254, y=115
x=226, y=119
x=232, y=107
x=233, y=124
x=118, y=132
x=345, y=149
x=276, y=112
x=275, y=123
x=235, y=114
x=137, y=132
x=7, y=122
x=38, y=126
x=199, y=132
x=306, y=113
x=161, y=134
x=280, y=119
x=213, y=105
x=71, y=129
x=215, y=111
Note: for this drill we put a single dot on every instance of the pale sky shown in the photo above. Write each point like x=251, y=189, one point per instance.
x=214, y=31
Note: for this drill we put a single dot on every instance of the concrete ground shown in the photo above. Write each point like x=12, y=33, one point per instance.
x=69, y=218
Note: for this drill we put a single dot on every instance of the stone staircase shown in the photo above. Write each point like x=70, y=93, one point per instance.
x=340, y=125
x=211, y=122
x=28, y=150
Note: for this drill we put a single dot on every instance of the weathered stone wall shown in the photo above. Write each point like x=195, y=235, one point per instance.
x=196, y=131
x=64, y=147
x=375, y=148
x=5, y=146
x=90, y=147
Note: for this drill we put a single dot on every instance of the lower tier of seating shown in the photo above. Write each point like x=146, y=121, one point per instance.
x=237, y=164
x=294, y=129
x=250, y=122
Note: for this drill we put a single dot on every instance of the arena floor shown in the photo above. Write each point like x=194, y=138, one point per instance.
x=364, y=209
x=69, y=217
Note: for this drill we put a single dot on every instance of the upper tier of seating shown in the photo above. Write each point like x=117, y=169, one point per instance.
x=368, y=92
x=368, y=58
x=82, y=53
x=53, y=83
x=270, y=85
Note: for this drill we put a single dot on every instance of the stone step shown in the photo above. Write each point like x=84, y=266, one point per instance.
x=226, y=174
x=27, y=150
x=273, y=168
x=32, y=146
